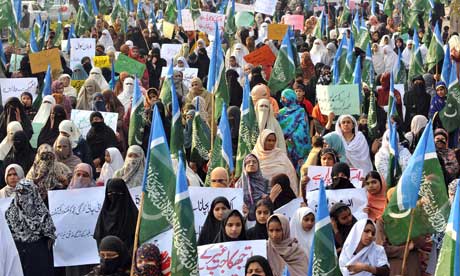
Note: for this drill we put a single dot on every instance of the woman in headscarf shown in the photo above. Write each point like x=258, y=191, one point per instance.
x=356, y=147
x=417, y=101
x=257, y=266
x=7, y=143
x=407, y=53
x=118, y=214
x=98, y=103
x=383, y=93
x=330, y=54
x=390, y=58
x=342, y=221
x=303, y=228
x=334, y=141
x=57, y=90
x=318, y=51
x=340, y=174
x=69, y=90
x=79, y=73
x=416, y=129
x=282, y=250
x=294, y=123
x=382, y=157
x=439, y=100
x=261, y=91
x=272, y=160
x=202, y=63
x=85, y=96
x=113, y=104
x=13, y=174
x=115, y=258
x=96, y=74
x=63, y=149
x=105, y=39
x=32, y=228
x=148, y=261
x=79, y=145
x=44, y=111
x=234, y=87
x=197, y=89
x=132, y=171
x=181, y=64
x=234, y=114
x=27, y=102
x=281, y=190
x=360, y=254
x=378, y=59
x=119, y=85
x=266, y=119
x=21, y=152
x=254, y=184
x=113, y=162
x=232, y=228
x=264, y=209
x=211, y=226
x=127, y=93
x=376, y=188
x=50, y=131
x=99, y=138
x=48, y=173
x=14, y=111
x=82, y=177
x=256, y=77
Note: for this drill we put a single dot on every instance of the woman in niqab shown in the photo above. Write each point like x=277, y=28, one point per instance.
x=148, y=261
x=63, y=149
x=82, y=177
x=7, y=143
x=114, y=258
x=86, y=94
x=21, y=153
x=113, y=162
x=14, y=111
x=132, y=171
x=50, y=131
x=96, y=74
x=99, y=138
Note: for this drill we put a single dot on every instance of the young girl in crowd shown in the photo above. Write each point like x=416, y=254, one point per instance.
x=302, y=228
x=211, y=226
x=264, y=209
x=342, y=221
x=376, y=195
x=232, y=228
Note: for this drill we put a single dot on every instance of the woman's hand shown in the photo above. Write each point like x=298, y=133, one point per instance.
x=275, y=192
x=245, y=210
x=357, y=267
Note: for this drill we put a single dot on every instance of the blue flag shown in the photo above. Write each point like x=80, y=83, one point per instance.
x=94, y=6
x=446, y=65
x=17, y=10
x=70, y=35
x=47, y=83
x=2, y=54
x=112, y=76
x=357, y=77
x=179, y=13
x=392, y=99
x=224, y=132
x=33, y=41
x=216, y=62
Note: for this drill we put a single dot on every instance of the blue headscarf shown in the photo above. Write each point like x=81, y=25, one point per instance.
x=437, y=102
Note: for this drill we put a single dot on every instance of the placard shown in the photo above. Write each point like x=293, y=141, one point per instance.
x=295, y=20
x=77, y=84
x=267, y=7
x=228, y=258
x=289, y=209
x=340, y=99
x=102, y=61
x=243, y=8
x=261, y=56
x=169, y=51
x=81, y=119
x=188, y=74
x=39, y=61
x=356, y=199
x=16, y=86
x=316, y=173
x=168, y=29
x=202, y=198
x=15, y=62
x=187, y=21
x=5, y=204
x=206, y=22
x=164, y=243
x=135, y=193
x=277, y=31
x=80, y=48
x=244, y=19
x=74, y=213
x=132, y=66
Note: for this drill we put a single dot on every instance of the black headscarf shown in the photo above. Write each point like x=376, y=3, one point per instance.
x=100, y=137
x=286, y=194
x=115, y=265
x=202, y=63
x=222, y=235
x=30, y=111
x=21, y=153
x=9, y=115
x=340, y=182
x=256, y=77
x=234, y=88
x=262, y=262
x=234, y=114
x=211, y=225
x=344, y=230
x=50, y=131
x=118, y=215
x=259, y=231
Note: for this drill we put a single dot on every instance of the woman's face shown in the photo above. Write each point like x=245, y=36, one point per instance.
x=300, y=93
x=327, y=160
x=372, y=185
x=107, y=157
x=345, y=217
x=275, y=231
x=308, y=222
x=441, y=91
x=219, y=211
x=346, y=125
x=251, y=165
x=399, y=43
x=26, y=100
x=65, y=81
x=133, y=155
x=254, y=269
x=262, y=214
x=368, y=235
x=180, y=64
x=12, y=178
x=233, y=227
x=270, y=142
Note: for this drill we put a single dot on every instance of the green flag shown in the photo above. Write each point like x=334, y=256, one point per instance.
x=450, y=114
x=388, y=7
x=372, y=117
x=283, y=69
x=104, y=6
x=159, y=184
x=435, y=51
x=7, y=15
x=400, y=70
x=230, y=25
x=416, y=61
x=165, y=92
x=120, y=12
x=59, y=35
x=177, y=130
x=317, y=31
x=221, y=95
x=201, y=138
x=83, y=22
x=345, y=14
x=194, y=9
x=170, y=14
x=136, y=119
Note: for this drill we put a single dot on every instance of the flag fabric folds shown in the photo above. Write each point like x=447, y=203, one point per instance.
x=136, y=119
x=450, y=115
x=436, y=50
x=283, y=69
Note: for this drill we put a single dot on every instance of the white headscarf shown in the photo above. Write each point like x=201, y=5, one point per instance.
x=357, y=150
x=372, y=254
x=183, y=61
x=378, y=60
x=109, y=169
x=406, y=54
x=127, y=94
x=238, y=51
x=318, y=51
x=390, y=59
x=263, y=33
x=105, y=40
x=304, y=238
x=266, y=119
x=96, y=74
x=200, y=102
x=7, y=142
x=18, y=170
x=72, y=130
x=45, y=110
x=69, y=90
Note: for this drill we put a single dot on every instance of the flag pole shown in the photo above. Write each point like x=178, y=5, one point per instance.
x=136, y=235
x=406, y=247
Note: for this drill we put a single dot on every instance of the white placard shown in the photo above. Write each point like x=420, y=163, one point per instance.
x=187, y=21
x=81, y=119
x=356, y=199
x=169, y=51
x=317, y=172
x=4, y=204
x=164, y=242
x=136, y=195
x=74, y=213
x=206, y=22
x=243, y=8
x=188, y=73
x=265, y=6
x=80, y=48
x=288, y=210
x=64, y=45
x=228, y=258
x=14, y=87
x=202, y=198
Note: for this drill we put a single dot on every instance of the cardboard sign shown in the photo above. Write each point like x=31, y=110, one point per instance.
x=277, y=31
x=243, y=8
x=294, y=20
x=316, y=173
x=80, y=48
x=81, y=120
x=15, y=87
x=206, y=22
x=188, y=75
x=168, y=29
x=169, y=51
x=77, y=84
x=261, y=56
x=340, y=99
x=187, y=21
x=4, y=204
x=39, y=61
x=289, y=209
x=267, y=7
x=102, y=61
x=132, y=66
